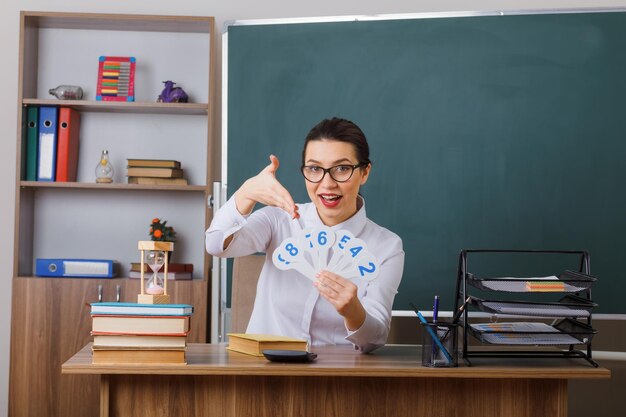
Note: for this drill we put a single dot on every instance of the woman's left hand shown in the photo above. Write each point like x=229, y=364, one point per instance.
x=342, y=294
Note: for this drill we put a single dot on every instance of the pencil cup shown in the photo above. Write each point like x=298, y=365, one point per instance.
x=439, y=348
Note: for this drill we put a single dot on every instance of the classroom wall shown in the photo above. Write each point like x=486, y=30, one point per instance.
x=223, y=11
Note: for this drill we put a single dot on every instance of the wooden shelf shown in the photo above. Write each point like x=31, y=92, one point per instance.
x=70, y=278
x=114, y=186
x=198, y=109
x=104, y=221
x=118, y=279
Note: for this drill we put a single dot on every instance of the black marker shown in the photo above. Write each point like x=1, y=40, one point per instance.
x=457, y=316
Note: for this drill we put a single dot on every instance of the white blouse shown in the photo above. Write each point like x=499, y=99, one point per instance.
x=286, y=302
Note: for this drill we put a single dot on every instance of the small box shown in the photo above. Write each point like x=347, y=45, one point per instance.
x=439, y=348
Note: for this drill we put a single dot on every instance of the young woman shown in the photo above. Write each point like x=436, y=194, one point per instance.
x=332, y=310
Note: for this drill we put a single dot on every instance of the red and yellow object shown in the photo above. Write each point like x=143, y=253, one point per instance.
x=116, y=78
x=545, y=286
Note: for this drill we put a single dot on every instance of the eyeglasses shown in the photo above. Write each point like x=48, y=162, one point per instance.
x=339, y=173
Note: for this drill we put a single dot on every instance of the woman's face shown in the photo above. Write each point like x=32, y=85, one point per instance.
x=335, y=201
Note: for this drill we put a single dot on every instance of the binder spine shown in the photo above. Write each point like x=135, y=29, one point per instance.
x=67, y=147
x=47, y=143
x=32, y=143
x=85, y=268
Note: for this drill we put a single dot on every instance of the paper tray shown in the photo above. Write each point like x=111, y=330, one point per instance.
x=564, y=332
x=568, y=282
x=568, y=306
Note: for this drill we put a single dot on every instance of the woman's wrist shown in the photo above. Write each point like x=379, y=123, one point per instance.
x=244, y=204
x=355, y=318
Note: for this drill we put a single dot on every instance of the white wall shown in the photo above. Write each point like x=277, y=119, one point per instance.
x=223, y=11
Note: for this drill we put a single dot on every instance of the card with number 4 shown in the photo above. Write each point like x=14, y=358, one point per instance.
x=317, y=249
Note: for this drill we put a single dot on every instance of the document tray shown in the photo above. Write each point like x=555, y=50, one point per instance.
x=564, y=332
x=568, y=281
x=568, y=306
x=536, y=297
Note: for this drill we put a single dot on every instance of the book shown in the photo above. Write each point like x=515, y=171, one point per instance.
x=157, y=181
x=67, y=144
x=135, y=309
x=180, y=276
x=154, y=325
x=255, y=344
x=171, y=267
x=138, y=356
x=105, y=340
x=155, y=172
x=153, y=163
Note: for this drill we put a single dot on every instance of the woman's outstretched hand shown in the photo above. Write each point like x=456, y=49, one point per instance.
x=264, y=188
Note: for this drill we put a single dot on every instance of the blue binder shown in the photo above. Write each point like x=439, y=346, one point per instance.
x=85, y=268
x=46, y=166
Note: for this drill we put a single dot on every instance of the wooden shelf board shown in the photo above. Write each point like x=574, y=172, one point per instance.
x=69, y=278
x=199, y=109
x=114, y=186
x=117, y=278
x=91, y=21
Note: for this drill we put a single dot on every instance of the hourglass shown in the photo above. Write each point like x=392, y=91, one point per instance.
x=155, y=254
x=155, y=260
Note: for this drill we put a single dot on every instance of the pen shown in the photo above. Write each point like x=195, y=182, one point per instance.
x=433, y=335
x=435, y=309
x=435, y=314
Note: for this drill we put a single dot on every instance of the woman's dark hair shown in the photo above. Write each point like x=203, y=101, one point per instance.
x=341, y=130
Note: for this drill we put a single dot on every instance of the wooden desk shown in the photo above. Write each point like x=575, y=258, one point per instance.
x=341, y=382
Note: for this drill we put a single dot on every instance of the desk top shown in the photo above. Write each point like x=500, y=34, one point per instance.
x=388, y=361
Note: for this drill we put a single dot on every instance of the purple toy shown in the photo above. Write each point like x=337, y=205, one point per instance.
x=171, y=94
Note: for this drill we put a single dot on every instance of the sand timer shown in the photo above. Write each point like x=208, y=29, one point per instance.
x=155, y=260
x=155, y=254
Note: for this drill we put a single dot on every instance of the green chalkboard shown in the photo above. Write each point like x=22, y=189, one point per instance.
x=492, y=132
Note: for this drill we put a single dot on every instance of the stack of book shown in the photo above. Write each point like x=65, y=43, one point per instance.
x=130, y=333
x=155, y=172
x=177, y=271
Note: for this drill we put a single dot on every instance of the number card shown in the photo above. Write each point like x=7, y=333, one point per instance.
x=323, y=239
x=317, y=249
x=290, y=255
